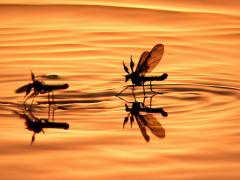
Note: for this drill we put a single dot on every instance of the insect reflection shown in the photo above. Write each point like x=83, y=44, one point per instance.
x=143, y=116
x=37, y=125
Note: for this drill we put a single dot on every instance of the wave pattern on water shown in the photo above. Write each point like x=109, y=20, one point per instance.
x=85, y=44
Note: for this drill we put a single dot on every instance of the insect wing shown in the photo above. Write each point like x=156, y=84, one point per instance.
x=143, y=57
x=22, y=89
x=151, y=60
x=30, y=95
x=153, y=124
x=50, y=76
x=142, y=127
x=26, y=88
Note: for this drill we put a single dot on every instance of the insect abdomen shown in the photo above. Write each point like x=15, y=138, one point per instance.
x=155, y=78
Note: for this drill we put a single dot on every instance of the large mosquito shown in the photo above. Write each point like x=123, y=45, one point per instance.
x=147, y=62
x=38, y=124
x=146, y=120
x=39, y=87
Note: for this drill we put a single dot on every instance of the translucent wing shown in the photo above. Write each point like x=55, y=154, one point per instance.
x=143, y=57
x=153, y=124
x=151, y=60
x=24, y=88
x=142, y=127
x=51, y=76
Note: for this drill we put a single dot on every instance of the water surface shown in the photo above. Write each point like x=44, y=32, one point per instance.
x=85, y=44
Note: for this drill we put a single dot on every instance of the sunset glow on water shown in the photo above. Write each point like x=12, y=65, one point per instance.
x=85, y=44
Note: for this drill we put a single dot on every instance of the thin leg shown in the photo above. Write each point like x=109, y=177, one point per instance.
x=144, y=93
x=163, y=77
x=151, y=86
x=53, y=115
x=144, y=100
x=53, y=106
x=153, y=90
x=122, y=91
x=24, y=102
x=48, y=98
x=52, y=98
x=31, y=114
x=151, y=100
x=133, y=93
x=32, y=101
x=48, y=106
x=123, y=99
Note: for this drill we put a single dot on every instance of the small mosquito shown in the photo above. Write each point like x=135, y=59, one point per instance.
x=146, y=120
x=38, y=124
x=39, y=87
x=147, y=62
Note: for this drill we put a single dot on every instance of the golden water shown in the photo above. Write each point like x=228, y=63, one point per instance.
x=85, y=43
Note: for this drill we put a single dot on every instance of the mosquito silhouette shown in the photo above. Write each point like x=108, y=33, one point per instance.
x=38, y=124
x=145, y=121
x=147, y=62
x=39, y=87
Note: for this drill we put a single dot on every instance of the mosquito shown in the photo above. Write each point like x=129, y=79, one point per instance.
x=39, y=87
x=38, y=124
x=147, y=62
x=146, y=120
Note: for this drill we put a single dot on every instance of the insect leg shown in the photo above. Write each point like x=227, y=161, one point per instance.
x=34, y=95
x=24, y=102
x=48, y=105
x=151, y=86
x=151, y=100
x=53, y=108
x=133, y=93
x=144, y=93
x=153, y=90
x=122, y=91
x=53, y=97
x=32, y=101
x=28, y=97
x=123, y=99
x=144, y=100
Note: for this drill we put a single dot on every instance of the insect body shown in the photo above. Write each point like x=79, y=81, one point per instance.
x=39, y=87
x=147, y=62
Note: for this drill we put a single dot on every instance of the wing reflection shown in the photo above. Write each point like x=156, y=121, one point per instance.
x=145, y=119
